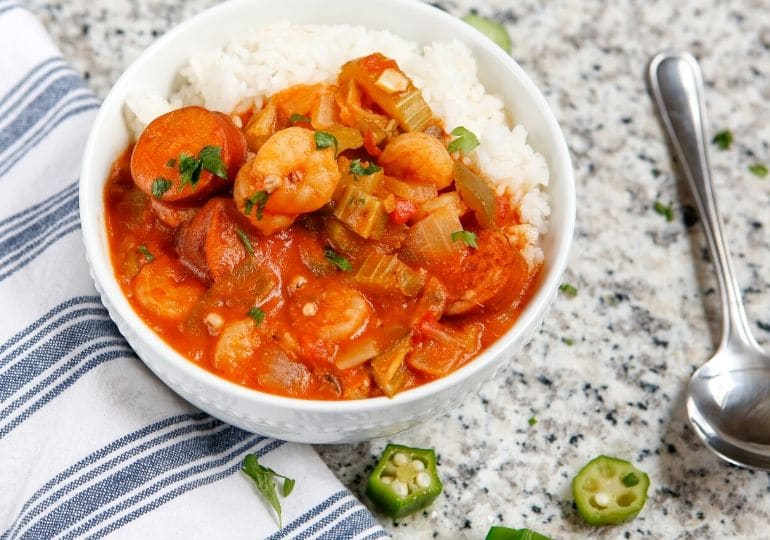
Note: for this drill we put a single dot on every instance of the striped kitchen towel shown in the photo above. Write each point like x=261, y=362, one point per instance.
x=91, y=443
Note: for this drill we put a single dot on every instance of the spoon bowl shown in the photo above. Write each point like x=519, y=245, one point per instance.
x=728, y=398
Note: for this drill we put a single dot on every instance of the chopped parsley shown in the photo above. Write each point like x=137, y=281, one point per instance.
x=324, y=139
x=655, y=172
x=257, y=314
x=295, y=118
x=264, y=479
x=245, y=241
x=758, y=169
x=568, y=341
x=723, y=139
x=148, y=256
x=532, y=421
x=209, y=158
x=568, y=290
x=160, y=186
x=189, y=170
x=465, y=236
x=663, y=210
x=259, y=199
x=337, y=260
x=359, y=170
x=465, y=141
x=171, y=163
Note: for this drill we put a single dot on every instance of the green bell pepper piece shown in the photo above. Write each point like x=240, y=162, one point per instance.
x=404, y=481
x=609, y=491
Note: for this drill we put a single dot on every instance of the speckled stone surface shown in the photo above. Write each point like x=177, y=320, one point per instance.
x=607, y=371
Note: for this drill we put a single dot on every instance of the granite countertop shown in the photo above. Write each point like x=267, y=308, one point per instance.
x=607, y=371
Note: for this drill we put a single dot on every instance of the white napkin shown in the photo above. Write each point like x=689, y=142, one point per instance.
x=91, y=443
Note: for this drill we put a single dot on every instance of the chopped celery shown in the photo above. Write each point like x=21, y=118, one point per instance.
x=477, y=193
x=362, y=212
x=384, y=273
x=357, y=355
x=402, y=101
x=342, y=238
x=388, y=368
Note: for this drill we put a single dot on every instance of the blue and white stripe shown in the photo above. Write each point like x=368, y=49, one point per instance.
x=27, y=234
x=91, y=443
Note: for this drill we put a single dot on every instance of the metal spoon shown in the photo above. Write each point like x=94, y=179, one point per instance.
x=728, y=398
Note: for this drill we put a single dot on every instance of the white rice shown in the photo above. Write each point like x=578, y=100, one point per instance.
x=269, y=59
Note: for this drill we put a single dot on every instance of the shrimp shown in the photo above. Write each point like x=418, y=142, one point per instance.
x=166, y=289
x=237, y=343
x=297, y=176
x=332, y=316
x=244, y=352
x=418, y=157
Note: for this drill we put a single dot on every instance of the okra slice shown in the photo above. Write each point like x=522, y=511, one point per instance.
x=404, y=481
x=609, y=491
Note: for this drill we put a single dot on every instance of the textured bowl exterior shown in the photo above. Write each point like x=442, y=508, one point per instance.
x=312, y=421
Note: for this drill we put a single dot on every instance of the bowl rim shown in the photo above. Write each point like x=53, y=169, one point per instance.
x=114, y=298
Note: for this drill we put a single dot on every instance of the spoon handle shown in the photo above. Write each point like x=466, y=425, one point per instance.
x=676, y=85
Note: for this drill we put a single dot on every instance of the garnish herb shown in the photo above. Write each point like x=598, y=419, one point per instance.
x=337, y=260
x=663, y=210
x=758, y=170
x=260, y=200
x=148, y=256
x=189, y=170
x=568, y=341
x=655, y=172
x=258, y=315
x=723, y=139
x=325, y=140
x=569, y=290
x=171, y=163
x=160, y=186
x=264, y=479
x=245, y=241
x=359, y=170
x=465, y=236
x=532, y=421
x=465, y=141
x=209, y=158
x=294, y=118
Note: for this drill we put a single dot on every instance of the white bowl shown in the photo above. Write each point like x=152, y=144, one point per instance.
x=307, y=420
